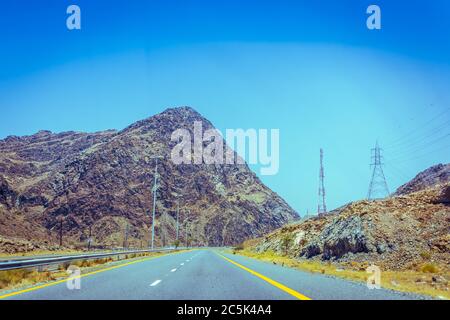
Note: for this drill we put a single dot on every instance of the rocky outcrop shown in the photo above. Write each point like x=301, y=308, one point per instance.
x=445, y=196
x=14, y=246
x=104, y=180
x=7, y=195
x=395, y=233
x=435, y=175
x=337, y=239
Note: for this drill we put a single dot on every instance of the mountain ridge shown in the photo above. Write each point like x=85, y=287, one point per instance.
x=104, y=180
x=437, y=174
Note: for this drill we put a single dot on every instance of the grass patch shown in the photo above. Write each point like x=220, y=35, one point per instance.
x=429, y=268
x=238, y=248
x=40, y=253
x=23, y=277
x=413, y=281
x=425, y=255
x=18, y=278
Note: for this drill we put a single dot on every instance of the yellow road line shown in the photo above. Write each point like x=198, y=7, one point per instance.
x=280, y=286
x=15, y=293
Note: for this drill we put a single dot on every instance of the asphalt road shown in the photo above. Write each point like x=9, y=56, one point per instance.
x=207, y=275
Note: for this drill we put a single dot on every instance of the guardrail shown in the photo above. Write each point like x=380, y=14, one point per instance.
x=46, y=261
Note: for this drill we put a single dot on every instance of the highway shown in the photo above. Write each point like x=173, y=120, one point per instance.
x=204, y=274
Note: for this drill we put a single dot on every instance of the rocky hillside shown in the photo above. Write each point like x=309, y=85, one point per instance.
x=396, y=233
x=104, y=180
x=430, y=177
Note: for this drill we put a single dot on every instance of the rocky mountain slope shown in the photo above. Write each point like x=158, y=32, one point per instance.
x=104, y=180
x=430, y=177
x=397, y=233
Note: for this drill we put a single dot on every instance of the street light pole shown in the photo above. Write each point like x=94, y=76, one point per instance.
x=178, y=212
x=154, y=202
x=60, y=231
x=186, y=226
x=90, y=237
x=125, y=238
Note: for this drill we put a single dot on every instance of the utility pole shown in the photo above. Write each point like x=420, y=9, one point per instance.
x=322, y=207
x=163, y=235
x=155, y=188
x=60, y=231
x=378, y=187
x=178, y=212
x=125, y=239
x=186, y=227
x=90, y=237
x=154, y=202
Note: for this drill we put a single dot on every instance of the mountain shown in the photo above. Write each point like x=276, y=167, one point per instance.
x=104, y=180
x=438, y=174
x=398, y=233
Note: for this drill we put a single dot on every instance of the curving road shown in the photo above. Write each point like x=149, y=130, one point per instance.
x=206, y=274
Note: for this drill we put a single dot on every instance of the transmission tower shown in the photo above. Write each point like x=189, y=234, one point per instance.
x=378, y=187
x=322, y=207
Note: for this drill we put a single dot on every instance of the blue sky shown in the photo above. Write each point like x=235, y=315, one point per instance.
x=309, y=68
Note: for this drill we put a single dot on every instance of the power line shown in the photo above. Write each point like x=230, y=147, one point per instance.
x=403, y=160
x=413, y=140
x=397, y=174
x=420, y=147
x=415, y=131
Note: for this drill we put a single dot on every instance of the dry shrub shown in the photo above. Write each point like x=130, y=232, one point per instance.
x=425, y=255
x=429, y=268
x=64, y=266
x=239, y=247
x=13, y=277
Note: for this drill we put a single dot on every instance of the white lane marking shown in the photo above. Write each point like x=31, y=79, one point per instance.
x=155, y=283
x=182, y=264
x=173, y=270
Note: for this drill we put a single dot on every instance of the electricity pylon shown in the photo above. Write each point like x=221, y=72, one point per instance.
x=378, y=187
x=322, y=207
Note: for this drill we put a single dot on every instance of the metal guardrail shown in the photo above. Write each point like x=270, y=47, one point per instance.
x=46, y=261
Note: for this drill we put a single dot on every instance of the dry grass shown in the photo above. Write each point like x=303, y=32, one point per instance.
x=24, y=277
x=425, y=255
x=238, y=247
x=429, y=268
x=40, y=253
x=12, y=279
x=414, y=281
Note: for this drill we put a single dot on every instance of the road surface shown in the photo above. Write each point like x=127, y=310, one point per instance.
x=205, y=275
